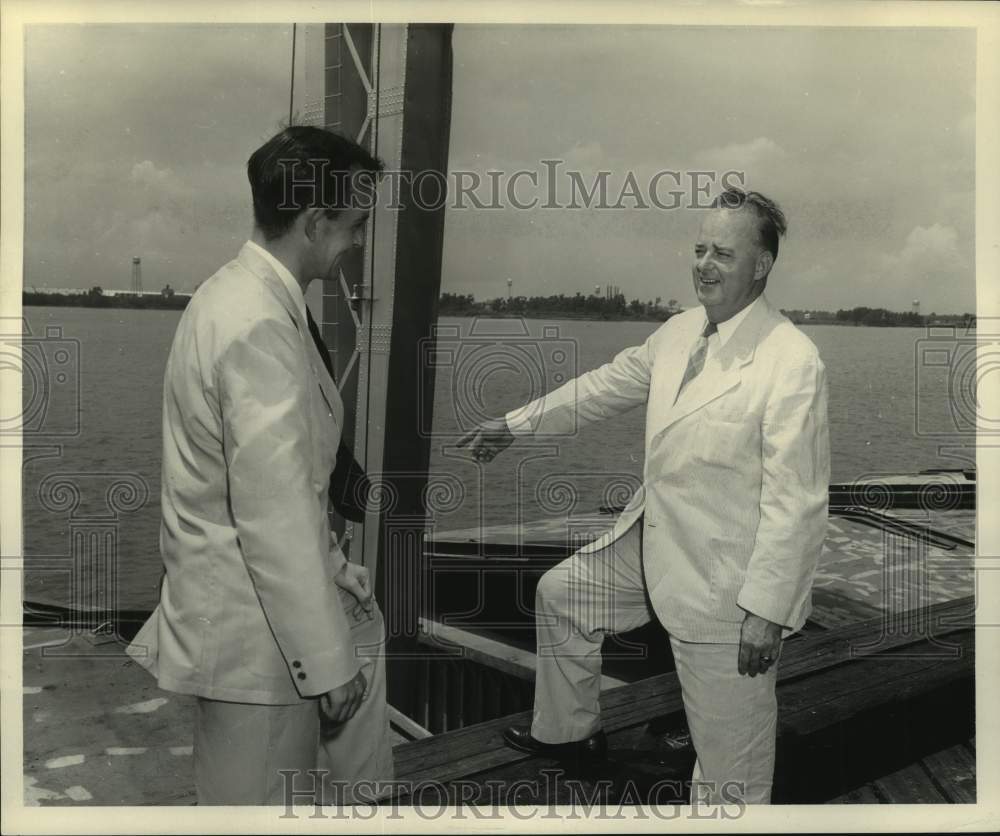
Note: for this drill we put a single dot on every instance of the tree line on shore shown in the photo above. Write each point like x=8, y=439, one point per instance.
x=616, y=307
x=611, y=306
x=560, y=306
x=95, y=297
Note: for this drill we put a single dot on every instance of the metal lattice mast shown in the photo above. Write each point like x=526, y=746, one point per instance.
x=136, y=275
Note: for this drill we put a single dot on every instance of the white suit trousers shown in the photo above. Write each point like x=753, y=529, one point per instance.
x=732, y=718
x=241, y=749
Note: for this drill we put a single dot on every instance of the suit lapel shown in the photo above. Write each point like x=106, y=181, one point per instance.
x=326, y=385
x=721, y=373
x=265, y=273
x=676, y=358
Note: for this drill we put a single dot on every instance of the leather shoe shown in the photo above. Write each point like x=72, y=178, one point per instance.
x=592, y=748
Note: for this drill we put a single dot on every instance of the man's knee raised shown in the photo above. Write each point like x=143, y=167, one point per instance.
x=553, y=588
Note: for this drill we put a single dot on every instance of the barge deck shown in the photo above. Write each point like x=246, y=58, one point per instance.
x=876, y=695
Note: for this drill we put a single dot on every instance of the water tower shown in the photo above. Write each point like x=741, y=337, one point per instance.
x=136, y=275
x=916, y=306
x=510, y=288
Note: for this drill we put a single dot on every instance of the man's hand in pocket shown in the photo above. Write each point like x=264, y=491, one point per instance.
x=354, y=579
x=340, y=704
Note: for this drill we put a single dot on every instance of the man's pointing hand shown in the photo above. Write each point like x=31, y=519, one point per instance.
x=488, y=439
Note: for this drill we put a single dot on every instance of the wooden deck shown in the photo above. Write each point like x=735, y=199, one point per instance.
x=944, y=777
x=854, y=676
x=876, y=695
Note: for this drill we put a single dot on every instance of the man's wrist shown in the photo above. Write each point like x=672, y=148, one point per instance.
x=338, y=559
x=518, y=421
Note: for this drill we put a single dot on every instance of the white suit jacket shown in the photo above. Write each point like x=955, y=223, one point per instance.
x=248, y=609
x=736, y=474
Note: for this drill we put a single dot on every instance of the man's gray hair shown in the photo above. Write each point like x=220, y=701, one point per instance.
x=771, y=223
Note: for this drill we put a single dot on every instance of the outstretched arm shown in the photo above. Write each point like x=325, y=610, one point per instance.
x=612, y=389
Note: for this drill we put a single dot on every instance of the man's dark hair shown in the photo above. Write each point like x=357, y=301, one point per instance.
x=305, y=168
x=771, y=223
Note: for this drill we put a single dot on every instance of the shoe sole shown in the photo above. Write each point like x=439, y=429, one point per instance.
x=519, y=747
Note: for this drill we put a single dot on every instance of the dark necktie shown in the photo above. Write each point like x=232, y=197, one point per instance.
x=696, y=360
x=324, y=353
x=348, y=483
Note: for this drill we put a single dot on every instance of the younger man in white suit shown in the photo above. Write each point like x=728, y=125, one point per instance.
x=260, y=616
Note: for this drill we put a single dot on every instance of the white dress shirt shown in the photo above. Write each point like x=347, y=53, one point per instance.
x=726, y=329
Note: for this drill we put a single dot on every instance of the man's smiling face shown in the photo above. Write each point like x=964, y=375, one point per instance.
x=729, y=262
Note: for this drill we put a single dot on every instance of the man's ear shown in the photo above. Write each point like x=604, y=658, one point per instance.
x=764, y=262
x=310, y=222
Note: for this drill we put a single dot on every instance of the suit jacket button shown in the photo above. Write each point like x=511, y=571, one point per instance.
x=296, y=664
x=301, y=675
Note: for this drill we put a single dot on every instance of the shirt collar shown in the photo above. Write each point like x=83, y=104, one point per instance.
x=287, y=279
x=728, y=328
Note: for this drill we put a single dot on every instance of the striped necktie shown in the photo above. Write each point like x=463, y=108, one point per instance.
x=696, y=360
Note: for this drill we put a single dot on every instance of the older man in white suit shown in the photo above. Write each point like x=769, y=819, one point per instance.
x=723, y=537
x=260, y=615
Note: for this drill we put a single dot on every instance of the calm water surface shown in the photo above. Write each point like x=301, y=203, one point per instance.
x=874, y=383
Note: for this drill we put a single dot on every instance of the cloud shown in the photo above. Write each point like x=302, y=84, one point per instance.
x=934, y=265
x=146, y=173
x=742, y=155
x=138, y=137
x=925, y=247
x=588, y=154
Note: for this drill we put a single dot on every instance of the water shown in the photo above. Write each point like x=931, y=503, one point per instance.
x=875, y=379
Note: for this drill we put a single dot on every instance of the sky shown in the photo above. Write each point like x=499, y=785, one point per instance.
x=137, y=139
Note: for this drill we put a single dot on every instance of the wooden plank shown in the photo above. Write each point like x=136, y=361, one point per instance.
x=407, y=725
x=864, y=794
x=833, y=610
x=486, y=651
x=872, y=636
x=478, y=748
x=844, y=691
x=804, y=708
x=954, y=769
x=660, y=695
x=909, y=785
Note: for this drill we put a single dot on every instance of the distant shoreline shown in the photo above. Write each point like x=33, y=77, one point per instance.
x=90, y=299
x=957, y=321
x=179, y=302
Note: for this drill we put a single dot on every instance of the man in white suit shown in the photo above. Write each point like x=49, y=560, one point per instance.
x=722, y=541
x=261, y=617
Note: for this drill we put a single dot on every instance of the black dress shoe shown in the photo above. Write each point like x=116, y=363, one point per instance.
x=593, y=748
